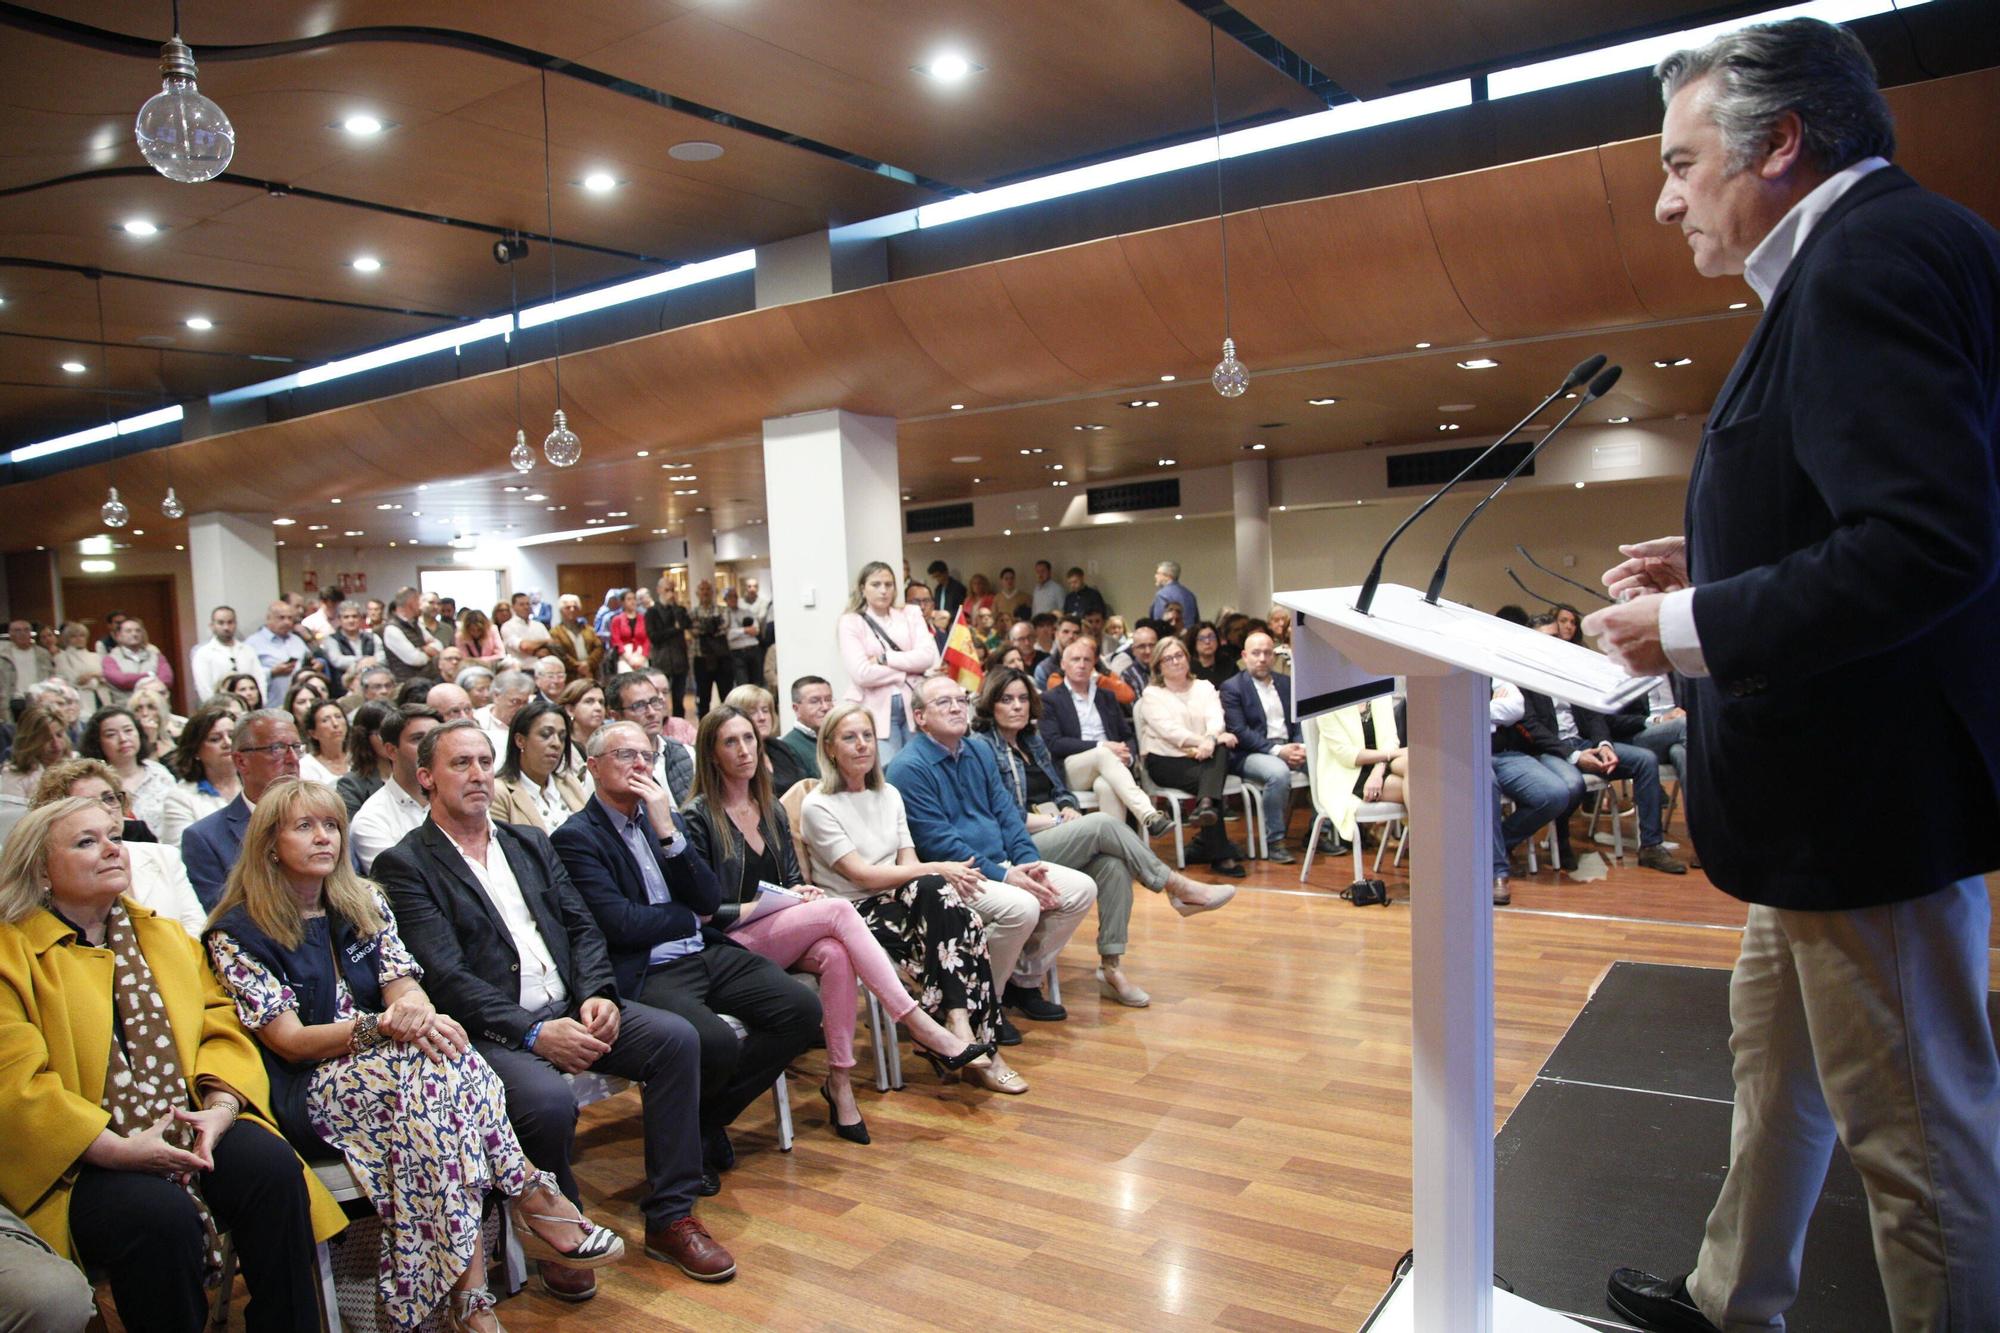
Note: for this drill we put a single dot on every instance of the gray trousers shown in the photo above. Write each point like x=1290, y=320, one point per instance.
x=1105, y=848
x=1869, y=1025
x=40, y=1291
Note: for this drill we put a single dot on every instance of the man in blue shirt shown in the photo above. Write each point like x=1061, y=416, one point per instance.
x=1167, y=578
x=279, y=651
x=959, y=810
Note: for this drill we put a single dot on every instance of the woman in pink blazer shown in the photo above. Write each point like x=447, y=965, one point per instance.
x=887, y=649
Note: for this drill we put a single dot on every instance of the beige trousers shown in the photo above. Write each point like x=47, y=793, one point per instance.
x=1098, y=771
x=1870, y=1025
x=1022, y=937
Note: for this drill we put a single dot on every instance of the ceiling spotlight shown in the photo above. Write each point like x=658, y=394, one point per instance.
x=1579, y=485
x=283, y=522
x=362, y=126
x=1166, y=379
x=1739, y=305
x=508, y=249
x=140, y=227
x=1423, y=347
x=1088, y=425
x=644, y=453
x=1677, y=361
x=1254, y=447
x=949, y=67
x=1164, y=462
x=74, y=367
x=958, y=407
x=1039, y=451
x=1058, y=483
x=600, y=182
x=199, y=324
x=182, y=135
x=695, y=150
x=1479, y=363
x=1053, y=467
x=1448, y=425
x=536, y=498
x=365, y=264
x=1321, y=402
x=334, y=501
x=1619, y=421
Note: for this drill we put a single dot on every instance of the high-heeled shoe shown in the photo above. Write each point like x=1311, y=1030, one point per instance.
x=600, y=1245
x=854, y=1133
x=947, y=1065
x=1008, y=1081
x=471, y=1312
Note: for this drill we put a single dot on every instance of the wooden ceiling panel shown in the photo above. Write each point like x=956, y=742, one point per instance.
x=859, y=337
x=1366, y=269
x=1948, y=137
x=1064, y=296
x=965, y=321
x=1531, y=248
x=1657, y=260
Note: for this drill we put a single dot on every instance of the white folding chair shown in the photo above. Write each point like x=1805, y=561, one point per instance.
x=1173, y=796
x=1388, y=813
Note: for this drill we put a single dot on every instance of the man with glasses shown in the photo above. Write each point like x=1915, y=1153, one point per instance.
x=960, y=810
x=633, y=697
x=628, y=856
x=398, y=805
x=266, y=748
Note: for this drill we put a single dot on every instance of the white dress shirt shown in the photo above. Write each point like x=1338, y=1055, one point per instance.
x=384, y=820
x=1089, y=725
x=541, y=984
x=1275, y=726
x=215, y=659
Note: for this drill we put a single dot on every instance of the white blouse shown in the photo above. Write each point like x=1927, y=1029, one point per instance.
x=870, y=824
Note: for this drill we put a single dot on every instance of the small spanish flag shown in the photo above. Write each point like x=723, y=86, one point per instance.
x=960, y=662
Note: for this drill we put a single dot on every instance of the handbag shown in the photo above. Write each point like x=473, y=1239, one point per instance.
x=1367, y=893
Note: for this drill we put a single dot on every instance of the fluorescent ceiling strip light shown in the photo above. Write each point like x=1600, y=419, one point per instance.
x=1649, y=51
x=96, y=434
x=407, y=350
x=570, y=534
x=618, y=293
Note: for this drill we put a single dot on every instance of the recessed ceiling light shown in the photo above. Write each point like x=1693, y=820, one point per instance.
x=1166, y=379
x=1448, y=425
x=392, y=543
x=645, y=453
x=1026, y=452
x=620, y=513
x=140, y=227
x=177, y=547
x=199, y=324
x=1677, y=361
x=1422, y=346
x=334, y=501
x=138, y=532
x=319, y=546
x=1164, y=462
x=74, y=367
x=536, y=498
x=684, y=476
x=354, y=532
x=1254, y=447
x=688, y=491
x=1088, y=425
x=965, y=458
x=1045, y=527
x=1619, y=421
x=1479, y=363
x=600, y=182
x=949, y=67
x=1579, y=485
x=549, y=508
x=1177, y=518
x=1322, y=402
x=695, y=150
x=1053, y=467
x=362, y=126
x=510, y=489
x=1144, y=402
x=1739, y=305
x=1058, y=482
x=416, y=513
x=423, y=485
x=659, y=532
x=365, y=264
x=386, y=505
x=315, y=527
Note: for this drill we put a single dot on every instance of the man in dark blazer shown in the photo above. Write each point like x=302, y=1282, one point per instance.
x=1257, y=711
x=267, y=748
x=629, y=859
x=1841, y=551
x=1090, y=736
x=946, y=592
x=509, y=950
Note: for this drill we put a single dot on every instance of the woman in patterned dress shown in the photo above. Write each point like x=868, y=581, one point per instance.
x=361, y=1063
x=854, y=827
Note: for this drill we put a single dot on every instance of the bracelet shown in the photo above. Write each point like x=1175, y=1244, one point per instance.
x=367, y=1034
x=235, y=1107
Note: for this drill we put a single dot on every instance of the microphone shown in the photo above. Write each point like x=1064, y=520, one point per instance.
x=1598, y=388
x=1582, y=371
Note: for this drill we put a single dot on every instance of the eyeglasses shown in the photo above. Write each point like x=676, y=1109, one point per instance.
x=951, y=703
x=294, y=748
x=645, y=757
x=652, y=705
x=110, y=800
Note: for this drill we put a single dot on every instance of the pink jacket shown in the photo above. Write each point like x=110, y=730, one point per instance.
x=873, y=684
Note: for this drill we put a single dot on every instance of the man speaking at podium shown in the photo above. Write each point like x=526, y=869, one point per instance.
x=1843, y=537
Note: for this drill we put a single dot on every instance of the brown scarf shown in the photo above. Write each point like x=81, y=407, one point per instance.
x=143, y=1081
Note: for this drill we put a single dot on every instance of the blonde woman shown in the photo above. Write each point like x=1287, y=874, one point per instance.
x=40, y=740
x=159, y=879
x=157, y=717
x=81, y=665
x=1185, y=744
x=362, y=1063
x=887, y=649
x=1361, y=758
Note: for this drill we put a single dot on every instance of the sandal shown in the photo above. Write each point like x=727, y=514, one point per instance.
x=471, y=1312
x=600, y=1245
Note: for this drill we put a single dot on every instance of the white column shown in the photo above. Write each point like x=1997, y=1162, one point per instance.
x=234, y=562
x=700, y=536
x=832, y=491
x=1250, y=481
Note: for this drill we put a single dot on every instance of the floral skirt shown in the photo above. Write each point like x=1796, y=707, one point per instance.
x=937, y=942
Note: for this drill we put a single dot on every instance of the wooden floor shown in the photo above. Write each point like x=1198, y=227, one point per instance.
x=1236, y=1156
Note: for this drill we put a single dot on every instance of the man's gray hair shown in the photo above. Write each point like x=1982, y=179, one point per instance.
x=600, y=740
x=370, y=672
x=511, y=679
x=53, y=688
x=260, y=724
x=1172, y=567
x=351, y=605
x=427, y=748
x=470, y=674
x=1819, y=70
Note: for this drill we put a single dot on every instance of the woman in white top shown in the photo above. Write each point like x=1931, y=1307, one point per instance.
x=325, y=735
x=114, y=735
x=887, y=650
x=81, y=665
x=1185, y=745
x=205, y=763
x=536, y=783
x=159, y=880
x=858, y=838
x=1361, y=758
x=156, y=717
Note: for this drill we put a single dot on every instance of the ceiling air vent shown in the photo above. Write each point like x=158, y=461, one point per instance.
x=1439, y=466
x=1136, y=496
x=938, y=518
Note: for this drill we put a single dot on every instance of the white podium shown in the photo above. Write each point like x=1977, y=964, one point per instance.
x=1449, y=654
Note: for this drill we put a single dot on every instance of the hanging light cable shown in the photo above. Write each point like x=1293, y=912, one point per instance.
x=1230, y=377
x=113, y=511
x=561, y=445
x=521, y=456
x=183, y=135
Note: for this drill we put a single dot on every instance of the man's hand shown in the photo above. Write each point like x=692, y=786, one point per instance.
x=1120, y=749
x=1594, y=762
x=1294, y=755
x=659, y=801
x=1629, y=634
x=1067, y=814
x=431, y=649
x=600, y=1017
x=286, y=667
x=568, y=1044
x=1034, y=880
x=1659, y=565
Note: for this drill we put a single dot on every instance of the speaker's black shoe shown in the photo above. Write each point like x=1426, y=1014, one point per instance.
x=1655, y=1302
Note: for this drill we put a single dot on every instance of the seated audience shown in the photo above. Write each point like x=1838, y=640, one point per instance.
x=1088, y=735
x=41, y=1291
x=1114, y=638
x=633, y=697
x=369, y=757
x=1100, y=844
x=550, y=678
x=630, y=860
x=156, y=717
x=1257, y=710
x=490, y=914
x=1021, y=638
x=136, y=1168
x=159, y=879
x=300, y=699
x=1361, y=759
x=477, y=682
x=1543, y=791
x=454, y=703
x=1067, y=627
x=583, y=700
x=361, y=1064
x=40, y=740
x=755, y=703
x=854, y=828
x=245, y=686
x=113, y=735
x=742, y=834
x=205, y=763
x=326, y=743
x=399, y=804
x=959, y=810
x=266, y=748
x=886, y=650
x=572, y=641
x=1186, y=746
x=537, y=784
x=133, y=662
x=372, y=684
x=1134, y=666
x=1206, y=657
x=812, y=700
x=511, y=692
x=1583, y=738
x=478, y=640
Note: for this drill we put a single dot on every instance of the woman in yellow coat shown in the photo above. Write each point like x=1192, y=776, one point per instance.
x=132, y=1102
x=1361, y=759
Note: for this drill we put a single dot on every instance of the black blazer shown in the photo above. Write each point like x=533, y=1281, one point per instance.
x=1062, y=729
x=710, y=844
x=1243, y=716
x=608, y=880
x=1843, y=530
x=471, y=968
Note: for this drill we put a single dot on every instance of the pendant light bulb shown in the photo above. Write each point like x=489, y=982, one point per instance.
x=183, y=135
x=172, y=506
x=562, y=446
x=1230, y=377
x=521, y=456
x=114, y=513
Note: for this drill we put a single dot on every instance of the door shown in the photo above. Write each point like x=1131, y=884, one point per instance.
x=589, y=583
x=149, y=597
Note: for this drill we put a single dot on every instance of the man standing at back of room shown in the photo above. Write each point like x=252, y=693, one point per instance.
x=223, y=655
x=1167, y=578
x=1842, y=544
x=1046, y=598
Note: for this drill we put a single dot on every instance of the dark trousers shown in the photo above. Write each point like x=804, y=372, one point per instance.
x=145, y=1233
x=1203, y=777
x=720, y=673
x=782, y=1016
x=654, y=1049
x=677, y=691
x=747, y=664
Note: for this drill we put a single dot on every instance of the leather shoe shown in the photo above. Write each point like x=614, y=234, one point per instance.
x=687, y=1245
x=1659, y=858
x=711, y=1182
x=1205, y=814
x=1655, y=1302
x=566, y=1283
x=1033, y=1004
x=1280, y=855
x=718, y=1150
x=1006, y=1034
x=1229, y=866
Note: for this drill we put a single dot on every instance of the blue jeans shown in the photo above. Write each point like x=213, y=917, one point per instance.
x=1643, y=770
x=1667, y=741
x=1276, y=775
x=1544, y=790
